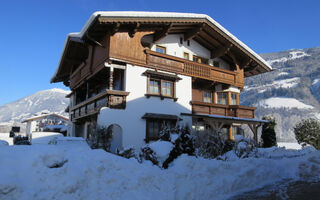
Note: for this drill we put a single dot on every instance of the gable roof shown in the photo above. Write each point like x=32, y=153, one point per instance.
x=44, y=116
x=101, y=22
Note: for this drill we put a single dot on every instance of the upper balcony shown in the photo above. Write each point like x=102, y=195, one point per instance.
x=223, y=110
x=190, y=68
x=91, y=106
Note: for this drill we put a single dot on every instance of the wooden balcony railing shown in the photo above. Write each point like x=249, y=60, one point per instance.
x=223, y=110
x=183, y=66
x=109, y=98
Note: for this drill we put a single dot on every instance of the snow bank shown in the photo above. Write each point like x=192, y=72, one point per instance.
x=290, y=145
x=283, y=102
x=162, y=149
x=60, y=172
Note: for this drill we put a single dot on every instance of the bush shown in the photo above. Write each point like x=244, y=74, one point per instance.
x=245, y=148
x=210, y=144
x=148, y=154
x=183, y=144
x=308, y=131
x=99, y=138
x=268, y=134
x=127, y=153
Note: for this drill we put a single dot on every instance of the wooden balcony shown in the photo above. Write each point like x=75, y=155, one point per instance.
x=223, y=110
x=183, y=66
x=109, y=98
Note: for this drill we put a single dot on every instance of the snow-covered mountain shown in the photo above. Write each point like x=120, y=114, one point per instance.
x=52, y=100
x=290, y=92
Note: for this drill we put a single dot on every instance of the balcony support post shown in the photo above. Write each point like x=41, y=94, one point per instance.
x=111, y=78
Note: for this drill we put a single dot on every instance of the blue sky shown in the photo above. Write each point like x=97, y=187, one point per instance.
x=32, y=32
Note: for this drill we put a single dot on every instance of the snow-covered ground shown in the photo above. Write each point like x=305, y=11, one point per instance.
x=290, y=145
x=69, y=169
x=283, y=102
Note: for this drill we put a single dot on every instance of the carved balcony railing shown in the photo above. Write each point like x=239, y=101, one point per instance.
x=183, y=66
x=109, y=98
x=223, y=110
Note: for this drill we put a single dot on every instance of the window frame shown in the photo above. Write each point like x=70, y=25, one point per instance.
x=162, y=78
x=203, y=96
x=232, y=100
x=171, y=122
x=162, y=48
x=201, y=59
x=186, y=55
x=226, y=98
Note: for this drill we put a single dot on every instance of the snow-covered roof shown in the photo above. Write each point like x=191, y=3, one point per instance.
x=44, y=116
x=164, y=15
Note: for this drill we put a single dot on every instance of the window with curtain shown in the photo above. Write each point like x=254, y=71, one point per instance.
x=222, y=98
x=207, y=97
x=234, y=99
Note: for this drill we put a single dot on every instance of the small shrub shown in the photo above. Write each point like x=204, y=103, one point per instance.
x=268, y=134
x=210, y=144
x=165, y=133
x=245, y=148
x=127, y=153
x=148, y=154
x=183, y=144
x=308, y=131
x=100, y=138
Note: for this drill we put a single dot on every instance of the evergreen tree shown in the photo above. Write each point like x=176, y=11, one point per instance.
x=308, y=131
x=268, y=134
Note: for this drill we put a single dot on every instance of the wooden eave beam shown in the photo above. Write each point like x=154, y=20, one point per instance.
x=115, y=28
x=193, y=32
x=133, y=31
x=158, y=35
x=220, y=52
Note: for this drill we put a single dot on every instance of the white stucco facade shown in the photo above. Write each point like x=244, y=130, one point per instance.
x=130, y=119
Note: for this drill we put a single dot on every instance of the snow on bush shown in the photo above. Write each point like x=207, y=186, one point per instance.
x=96, y=174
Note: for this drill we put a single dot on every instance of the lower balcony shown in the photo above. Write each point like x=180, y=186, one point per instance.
x=109, y=98
x=223, y=110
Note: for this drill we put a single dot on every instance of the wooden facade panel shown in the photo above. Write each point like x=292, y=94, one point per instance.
x=200, y=109
x=217, y=111
x=164, y=64
x=223, y=110
x=197, y=95
x=193, y=69
x=123, y=47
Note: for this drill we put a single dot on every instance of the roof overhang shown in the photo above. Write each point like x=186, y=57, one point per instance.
x=194, y=26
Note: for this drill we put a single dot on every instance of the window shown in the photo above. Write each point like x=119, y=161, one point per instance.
x=154, y=126
x=207, y=97
x=161, y=84
x=186, y=55
x=160, y=49
x=154, y=86
x=200, y=60
x=166, y=88
x=222, y=98
x=234, y=99
x=216, y=64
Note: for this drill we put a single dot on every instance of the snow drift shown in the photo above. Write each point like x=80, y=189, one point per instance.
x=74, y=171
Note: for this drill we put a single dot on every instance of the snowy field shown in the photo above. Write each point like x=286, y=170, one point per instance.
x=69, y=169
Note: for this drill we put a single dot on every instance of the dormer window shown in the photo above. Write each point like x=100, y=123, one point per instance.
x=160, y=49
